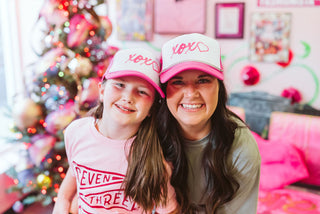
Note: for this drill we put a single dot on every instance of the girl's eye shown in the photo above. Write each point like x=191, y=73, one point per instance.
x=119, y=85
x=143, y=92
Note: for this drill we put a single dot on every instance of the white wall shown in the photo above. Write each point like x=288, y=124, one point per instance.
x=303, y=73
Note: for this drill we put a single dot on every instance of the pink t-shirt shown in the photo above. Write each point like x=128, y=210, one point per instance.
x=99, y=165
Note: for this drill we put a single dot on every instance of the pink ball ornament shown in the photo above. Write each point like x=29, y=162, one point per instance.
x=250, y=75
x=79, y=30
x=292, y=94
x=41, y=146
x=59, y=119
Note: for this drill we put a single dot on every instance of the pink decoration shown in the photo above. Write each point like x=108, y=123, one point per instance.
x=52, y=14
x=26, y=113
x=58, y=120
x=285, y=64
x=292, y=94
x=250, y=75
x=79, y=30
x=41, y=145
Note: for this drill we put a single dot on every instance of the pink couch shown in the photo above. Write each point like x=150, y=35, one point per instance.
x=292, y=151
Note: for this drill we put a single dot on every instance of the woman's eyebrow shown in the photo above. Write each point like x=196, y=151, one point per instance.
x=177, y=77
x=205, y=75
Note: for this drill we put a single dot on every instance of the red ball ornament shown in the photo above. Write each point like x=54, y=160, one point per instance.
x=250, y=75
x=293, y=94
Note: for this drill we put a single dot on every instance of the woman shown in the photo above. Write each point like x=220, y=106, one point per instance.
x=206, y=143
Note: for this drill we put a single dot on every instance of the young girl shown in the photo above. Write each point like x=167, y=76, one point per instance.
x=115, y=157
x=206, y=142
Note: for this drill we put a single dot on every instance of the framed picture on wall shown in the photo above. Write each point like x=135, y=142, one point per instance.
x=269, y=37
x=179, y=16
x=134, y=20
x=229, y=20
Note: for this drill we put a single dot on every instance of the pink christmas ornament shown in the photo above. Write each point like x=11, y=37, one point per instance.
x=26, y=113
x=292, y=94
x=52, y=14
x=250, y=75
x=79, y=30
x=41, y=146
x=59, y=119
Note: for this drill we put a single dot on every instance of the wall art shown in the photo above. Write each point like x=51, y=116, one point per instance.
x=229, y=20
x=180, y=16
x=134, y=19
x=269, y=37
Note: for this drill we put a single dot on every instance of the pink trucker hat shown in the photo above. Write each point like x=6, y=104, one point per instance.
x=135, y=62
x=191, y=51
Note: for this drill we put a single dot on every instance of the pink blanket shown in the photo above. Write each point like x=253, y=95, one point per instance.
x=303, y=131
x=284, y=201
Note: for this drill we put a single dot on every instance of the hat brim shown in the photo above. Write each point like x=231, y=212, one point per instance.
x=114, y=75
x=176, y=69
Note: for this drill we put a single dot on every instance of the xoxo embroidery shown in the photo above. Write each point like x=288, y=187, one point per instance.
x=185, y=48
x=139, y=59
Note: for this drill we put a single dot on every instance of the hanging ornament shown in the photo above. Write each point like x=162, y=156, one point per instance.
x=41, y=145
x=60, y=118
x=250, y=75
x=293, y=94
x=81, y=66
x=18, y=207
x=44, y=180
x=79, y=30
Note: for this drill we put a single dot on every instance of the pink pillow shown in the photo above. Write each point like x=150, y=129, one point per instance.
x=281, y=164
x=303, y=132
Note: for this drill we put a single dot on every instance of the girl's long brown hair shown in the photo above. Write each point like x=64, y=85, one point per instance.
x=146, y=178
x=221, y=184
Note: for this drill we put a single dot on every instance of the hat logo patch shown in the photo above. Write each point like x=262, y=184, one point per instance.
x=184, y=48
x=141, y=60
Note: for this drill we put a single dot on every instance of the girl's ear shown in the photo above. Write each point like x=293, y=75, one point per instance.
x=101, y=87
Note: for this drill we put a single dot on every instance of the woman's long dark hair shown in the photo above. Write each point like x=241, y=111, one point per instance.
x=146, y=177
x=221, y=185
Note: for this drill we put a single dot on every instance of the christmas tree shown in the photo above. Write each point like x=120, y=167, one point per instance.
x=62, y=86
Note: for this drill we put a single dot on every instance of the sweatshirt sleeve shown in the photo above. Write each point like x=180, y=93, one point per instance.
x=246, y=162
